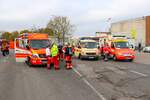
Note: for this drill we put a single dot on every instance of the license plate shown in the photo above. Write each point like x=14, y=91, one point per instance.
x=128, y=58
x=127, y=55
x=91, y=57
x=44, y=62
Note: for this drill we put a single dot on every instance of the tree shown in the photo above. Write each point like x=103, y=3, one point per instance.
x=6, y=35
x=45, y=30
x=25, y=31
x=14, y=35
x=61, y=27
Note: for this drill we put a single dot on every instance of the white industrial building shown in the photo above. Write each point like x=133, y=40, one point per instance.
x=137, y=29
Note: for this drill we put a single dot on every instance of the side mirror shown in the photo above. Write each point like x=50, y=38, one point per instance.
x=27, y=47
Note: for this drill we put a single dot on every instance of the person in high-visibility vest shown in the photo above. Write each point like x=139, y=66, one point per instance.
x=68, y=52
x=54, y=54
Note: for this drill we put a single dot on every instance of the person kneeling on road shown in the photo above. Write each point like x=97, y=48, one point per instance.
x=68, y=52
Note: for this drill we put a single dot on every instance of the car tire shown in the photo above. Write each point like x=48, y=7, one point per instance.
x=114, y=58
x=97, y=58
x=28, y=62
x=130, y=60
x=79, y=56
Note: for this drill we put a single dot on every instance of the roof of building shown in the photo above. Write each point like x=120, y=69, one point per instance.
x=132, y=19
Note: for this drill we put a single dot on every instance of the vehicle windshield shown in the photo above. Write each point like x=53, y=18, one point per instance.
x=121, y=44
x=90, y=45
x=37, y=44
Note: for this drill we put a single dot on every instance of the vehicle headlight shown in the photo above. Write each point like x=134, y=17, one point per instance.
x=35, y=55
x=120, y=54
x=113, y=50
x=132, y=54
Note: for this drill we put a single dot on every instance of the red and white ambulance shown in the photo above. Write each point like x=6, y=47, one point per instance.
x=30, y=48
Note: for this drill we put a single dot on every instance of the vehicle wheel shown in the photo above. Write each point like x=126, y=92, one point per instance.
x=28, y=62
x=79, y=56
x=3, y=52
x=97, y=58
x=114, y=58
x=130, y=60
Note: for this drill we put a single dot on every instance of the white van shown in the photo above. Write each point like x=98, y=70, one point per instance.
x=87, y=49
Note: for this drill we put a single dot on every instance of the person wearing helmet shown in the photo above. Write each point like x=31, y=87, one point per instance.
x=68, y=52
x=54, y=54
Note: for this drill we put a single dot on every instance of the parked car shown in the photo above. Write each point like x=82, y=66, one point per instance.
x=146, y=49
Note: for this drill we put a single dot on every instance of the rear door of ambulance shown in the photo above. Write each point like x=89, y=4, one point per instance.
x=21, y=51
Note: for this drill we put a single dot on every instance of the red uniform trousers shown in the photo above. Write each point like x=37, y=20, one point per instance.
x=48, y=62
x=61, y=56
x=68, y=59
x=55, y=61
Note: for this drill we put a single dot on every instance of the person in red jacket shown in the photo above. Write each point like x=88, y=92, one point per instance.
x=106, y=51
x=49, y=58
x=68, y=52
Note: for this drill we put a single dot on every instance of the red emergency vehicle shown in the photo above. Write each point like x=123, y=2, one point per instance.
x=121, y=50
x=30, y=48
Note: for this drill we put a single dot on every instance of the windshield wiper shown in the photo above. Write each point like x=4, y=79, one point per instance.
x=36, y=48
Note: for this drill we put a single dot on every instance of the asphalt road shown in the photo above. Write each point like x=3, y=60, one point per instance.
x=19, y=82
x=117, y=80
x=89, y=80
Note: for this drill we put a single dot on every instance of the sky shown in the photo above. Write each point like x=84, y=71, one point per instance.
x=88, y=16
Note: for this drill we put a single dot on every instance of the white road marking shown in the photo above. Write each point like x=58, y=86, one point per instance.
x=77, y=72
x=99, y=94
x=144, y=75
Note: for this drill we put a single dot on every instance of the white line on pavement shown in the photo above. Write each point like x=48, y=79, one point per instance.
x=144, y=75
x=99, y=94
x=77, y=72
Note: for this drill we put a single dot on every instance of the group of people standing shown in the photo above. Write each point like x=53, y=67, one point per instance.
x=55, y=53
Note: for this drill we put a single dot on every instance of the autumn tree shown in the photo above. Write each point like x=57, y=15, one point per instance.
x=45, y=30
x=25, y=31
x=6, y=35
x=14, y=35
x=61, y=27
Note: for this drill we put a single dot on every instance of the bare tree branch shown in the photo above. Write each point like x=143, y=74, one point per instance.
x=61, y=27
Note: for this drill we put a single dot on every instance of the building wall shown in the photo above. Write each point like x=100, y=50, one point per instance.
x=134, y=25
x=148, y=30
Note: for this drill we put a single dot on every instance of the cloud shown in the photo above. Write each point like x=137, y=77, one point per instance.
x=88, y=15
x=17, y=10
